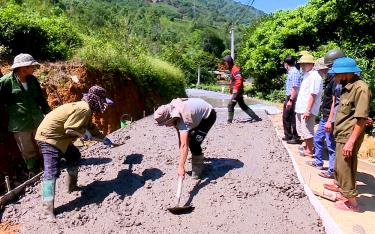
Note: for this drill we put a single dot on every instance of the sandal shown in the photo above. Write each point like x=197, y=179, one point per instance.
x=326, y=174
x=303, y=154
x=346, y=206
x=314, y=164
x=332, y=187
x=340, y=197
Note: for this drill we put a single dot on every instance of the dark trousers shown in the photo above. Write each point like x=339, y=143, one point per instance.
x=289, y=121
x=52, y=159
x=197, y=135
x=237, y=98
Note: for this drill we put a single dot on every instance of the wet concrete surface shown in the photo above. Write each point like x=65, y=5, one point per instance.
x=249, y=186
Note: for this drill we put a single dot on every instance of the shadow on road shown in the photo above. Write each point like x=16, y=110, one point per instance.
x=125, y=184
x=368, y=186
x=217, y=168
x=94, y=161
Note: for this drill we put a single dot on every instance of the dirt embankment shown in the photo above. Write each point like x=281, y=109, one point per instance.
x=249, y=186
x=64, y=82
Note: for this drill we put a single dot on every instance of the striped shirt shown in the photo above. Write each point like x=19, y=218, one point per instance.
x=293, y=79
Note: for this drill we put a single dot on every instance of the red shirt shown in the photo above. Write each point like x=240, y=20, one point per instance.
x=236, y=80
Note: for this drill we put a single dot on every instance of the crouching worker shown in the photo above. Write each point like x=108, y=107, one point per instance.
x=55, y=142
x=193, y=118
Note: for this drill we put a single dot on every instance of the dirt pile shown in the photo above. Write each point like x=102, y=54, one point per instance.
x=249, y=186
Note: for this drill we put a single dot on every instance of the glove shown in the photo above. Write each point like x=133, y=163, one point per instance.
x=107, y=141
x=86, y=136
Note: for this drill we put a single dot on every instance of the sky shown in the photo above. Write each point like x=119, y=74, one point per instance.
x=269, y=6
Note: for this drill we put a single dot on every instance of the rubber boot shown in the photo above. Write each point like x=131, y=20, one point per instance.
x=72, y=178
x=252, y=115
x=196, y=166
x=48, y=196
x=230, y=117
x=32, y=165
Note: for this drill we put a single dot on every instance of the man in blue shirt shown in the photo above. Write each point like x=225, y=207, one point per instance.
x=292, y=84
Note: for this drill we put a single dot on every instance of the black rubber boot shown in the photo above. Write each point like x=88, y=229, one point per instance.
x=230, y=117
x=72, y=183
x=252, y=115
x=72, y=178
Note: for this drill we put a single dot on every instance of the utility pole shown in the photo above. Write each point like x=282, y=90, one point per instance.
x=194, y=13
x=199, y=74
x=232, y=41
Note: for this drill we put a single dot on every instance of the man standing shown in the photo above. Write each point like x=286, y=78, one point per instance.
x=308, y=103
x=352, y=116
x=55, y=142
x=292, y=84
x=20, y=91
x=193, y=118
x=324, y=133
x=236, y=89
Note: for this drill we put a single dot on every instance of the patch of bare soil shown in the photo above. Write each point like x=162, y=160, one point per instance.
x=249, y=186
x=9, y=228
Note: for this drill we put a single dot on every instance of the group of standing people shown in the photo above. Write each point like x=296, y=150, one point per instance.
x=331, y=86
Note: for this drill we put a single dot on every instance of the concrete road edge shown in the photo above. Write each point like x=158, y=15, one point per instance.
x=330, y=225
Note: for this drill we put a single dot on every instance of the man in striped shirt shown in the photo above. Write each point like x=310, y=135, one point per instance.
x=292, y=84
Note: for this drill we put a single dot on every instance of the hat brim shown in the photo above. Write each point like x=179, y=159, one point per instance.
x=109, y=101
x=25, y=64
x=166, y=122
x=344, y=70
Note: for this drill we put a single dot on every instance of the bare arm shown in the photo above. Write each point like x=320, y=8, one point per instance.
x=293, y=93
x=347, y=151
x=310, y=103
x=184, y=143
x=293, y=96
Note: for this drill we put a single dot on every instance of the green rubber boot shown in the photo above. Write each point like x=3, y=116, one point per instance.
x=32, y=165
x=72, y=178
x=48, y=196
x=197, y=166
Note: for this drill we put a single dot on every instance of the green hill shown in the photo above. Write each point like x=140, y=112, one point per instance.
x=119, y=35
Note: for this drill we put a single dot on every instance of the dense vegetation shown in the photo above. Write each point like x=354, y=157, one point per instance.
x=318, y=26
x=152, y=42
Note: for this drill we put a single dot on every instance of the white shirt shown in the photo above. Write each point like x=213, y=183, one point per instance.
x=312, y=83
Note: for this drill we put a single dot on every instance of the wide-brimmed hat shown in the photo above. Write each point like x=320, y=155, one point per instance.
x=24, y=60
x=319, y=64
x=163, y=115
x=307, y=58
x=344, y=65
x=303, y=52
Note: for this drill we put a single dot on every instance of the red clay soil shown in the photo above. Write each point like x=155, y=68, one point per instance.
x=9, y=228
x=248, y=186
x=64, y=82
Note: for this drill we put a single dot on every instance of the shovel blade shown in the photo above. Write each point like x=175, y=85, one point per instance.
x=181, y=209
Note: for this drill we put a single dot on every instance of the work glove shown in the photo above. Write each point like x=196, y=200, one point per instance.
x=107, y=141
x=86, y=136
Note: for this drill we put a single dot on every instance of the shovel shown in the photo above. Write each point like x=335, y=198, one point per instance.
x=75, y=133
x=180, y=209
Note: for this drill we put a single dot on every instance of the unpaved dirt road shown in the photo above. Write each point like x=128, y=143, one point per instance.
x=249, y=186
